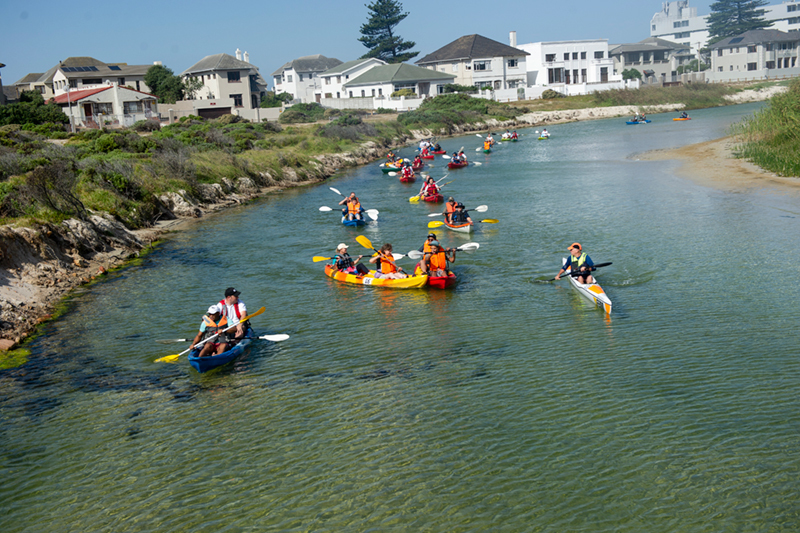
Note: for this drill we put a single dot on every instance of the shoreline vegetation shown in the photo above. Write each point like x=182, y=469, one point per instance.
x=74, y=206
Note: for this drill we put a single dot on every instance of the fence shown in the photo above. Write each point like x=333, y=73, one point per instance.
x=110, y=121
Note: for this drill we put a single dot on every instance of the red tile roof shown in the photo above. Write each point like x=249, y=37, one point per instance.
x=74, y=96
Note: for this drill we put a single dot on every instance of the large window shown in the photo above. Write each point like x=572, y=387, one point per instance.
x=583, y=55
x=574, y=55
x=719, y=52
x=683, y=35
x=598, y=55
x=566, y=56
x=277, y=80
x=794, y=20
x=603, y=74
x=91, y=81
x=104, y=109
x=751, y=49
x=770, y=64
x=482, y=65
x=513, y=63
x=549, y=58
x=237, y=100
x=132, y=107
x=484, y=85
x=791, y=7
x=233, y=77
x=751, y=66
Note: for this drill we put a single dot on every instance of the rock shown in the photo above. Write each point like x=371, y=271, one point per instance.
x=102, y=270
x=227, y=185
x=6, y=345
x=210, y=193
x=79, y=262
x=246, y=186
x=180, y=204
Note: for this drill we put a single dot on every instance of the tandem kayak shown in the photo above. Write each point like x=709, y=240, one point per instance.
x=417, y=168
x=687, y=118
x=461, y=228
x=440, y=152
x=632, y=122
x=204, y=364
x=355, y=223
x=410, y=179
x=442, y=282
x=591, y=291
x=413, y=282
x=434, y=198
x=431, y=156
x=390, y=168
x=452, y=165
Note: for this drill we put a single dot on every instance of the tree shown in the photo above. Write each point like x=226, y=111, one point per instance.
x=275, y=100
x=631, y=74
x=378, y=36
x=163, y=83
x=31, y=109
x=729, y=18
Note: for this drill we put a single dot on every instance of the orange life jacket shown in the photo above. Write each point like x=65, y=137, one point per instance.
x=387, y=264
x=450, y=208
x=354, y=206
x=210, y=323
x=426, y=248
x=487, y=145
x=438, y=261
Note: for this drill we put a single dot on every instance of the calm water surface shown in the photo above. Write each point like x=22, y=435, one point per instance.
x=506, y=404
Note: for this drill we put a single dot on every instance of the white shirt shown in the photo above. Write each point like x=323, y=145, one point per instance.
x=230, y=312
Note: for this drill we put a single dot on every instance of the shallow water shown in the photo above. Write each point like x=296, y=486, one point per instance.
x=505, y=404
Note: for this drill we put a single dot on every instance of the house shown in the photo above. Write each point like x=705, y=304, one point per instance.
x=334, y=79
x=300, y=77
x=756, y=54
x=83, y=73
x=680, y=23
x=229, y=83
x=658, y=60
x=2, y=92
x=380, y=82
x=106, y=106
x=584, y=63
x=480, y=61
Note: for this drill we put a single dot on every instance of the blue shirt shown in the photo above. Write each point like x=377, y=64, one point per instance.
x=588, y=262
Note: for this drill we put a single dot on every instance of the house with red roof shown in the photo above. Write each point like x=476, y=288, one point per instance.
x=108, y=106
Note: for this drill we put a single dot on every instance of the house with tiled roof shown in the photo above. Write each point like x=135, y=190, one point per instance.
x=756, y=54
x=333, y=79
x=106, y=106
x=657, y=59
x=301, y=77
x=233, y=83
x=480, y=61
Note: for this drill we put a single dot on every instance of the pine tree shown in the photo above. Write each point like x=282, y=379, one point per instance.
x=733, y=17
x=378, y=36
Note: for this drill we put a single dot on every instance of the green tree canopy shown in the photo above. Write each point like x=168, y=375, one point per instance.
x=163, y=83
x=631, y=74
x=733, y=17
x=31, y=109
x=378, y=36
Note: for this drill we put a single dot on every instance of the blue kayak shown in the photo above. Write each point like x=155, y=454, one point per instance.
x=638, y=122
x=354, y=223
x=204, y=364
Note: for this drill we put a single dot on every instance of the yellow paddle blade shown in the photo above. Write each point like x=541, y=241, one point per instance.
x=318, y=258
x=435, y=223
x=414, y=199
x=168, y=358
x=490, y=221
x=363, y=241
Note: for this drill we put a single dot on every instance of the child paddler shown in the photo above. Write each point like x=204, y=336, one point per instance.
x=213, y=323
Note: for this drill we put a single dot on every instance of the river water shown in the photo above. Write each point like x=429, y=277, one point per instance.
x=505, y=404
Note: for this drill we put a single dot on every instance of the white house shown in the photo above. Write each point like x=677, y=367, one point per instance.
x=656, y=59
x=230, y=85
x=301, y=77
x=480, y=61
x=680, y=23
x=333, y=79
x=110, y=106
x=381, y=82
x=572, y=67
x=755, y=54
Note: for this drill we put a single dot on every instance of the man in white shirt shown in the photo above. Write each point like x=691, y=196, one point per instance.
x=234, y=309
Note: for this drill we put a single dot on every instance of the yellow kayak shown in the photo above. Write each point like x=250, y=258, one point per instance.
x=413, y=282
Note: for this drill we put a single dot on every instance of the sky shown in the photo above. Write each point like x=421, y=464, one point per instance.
x=35, y=35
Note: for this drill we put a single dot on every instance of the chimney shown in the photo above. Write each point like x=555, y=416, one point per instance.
x=246, y=57
x=512, y=37
x=157, y=63
x=238, y=54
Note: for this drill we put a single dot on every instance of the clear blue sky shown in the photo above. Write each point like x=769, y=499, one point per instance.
x=35, y=35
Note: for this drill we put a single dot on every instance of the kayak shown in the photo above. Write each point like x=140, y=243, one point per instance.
x=461, y=228
x=417, y=168
x=452, y=165
x=204, y=364
x=485, y=151
x=434, y=199
x=440, y=152
x=687, y=118
x=442, y=282
x=544, y=138
x=411, y=179
x=390, y=168
x=632, y=122
x=413, y=282
x=355, y=223
x=592, y=291
x=428, y=156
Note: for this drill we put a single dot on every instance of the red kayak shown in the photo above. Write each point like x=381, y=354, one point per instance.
x=434, y=199
x=440, y=152
x=456, y=165
x=428, y=157
x=442, y=282
x=417, y=168
x=412, y=179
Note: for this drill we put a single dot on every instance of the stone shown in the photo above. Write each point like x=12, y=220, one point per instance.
x=6, y=345
x=246, y=186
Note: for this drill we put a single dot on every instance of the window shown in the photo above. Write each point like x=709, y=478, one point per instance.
x=338, y=79
x=583, y=75
x=683, y=35
x=794, y=20
x=327, y=81
x=91, y=81
x=770, y=64
x=380, y=91
x=121, y=81
x=554, y=75
x=482, y=65
x=574, y=55
x=583, y=55
x=132, y=107
x=299, y=77
x=654, y=27
x=731, y=68
x=737, y=50
x=277, y=80
x=598, y=55
x=676, y=24
x=566, y=56
x=751, y=66
x=513, y=63
x=338, y=94
x=137, y=85
x=237, y=99
x=770, y=47
x=549, y=58
x=288, y=78
x=373, y=93
x=484, y=85
x=603, y=74
x=575, y=76
x=512, y=84
x=719, y=52
x=719, y=69
x=751, y=49
x=567, y=78
x=233, y=77
x=105, y=109
x=363, y=94
x=351, y=94
x=791, y=8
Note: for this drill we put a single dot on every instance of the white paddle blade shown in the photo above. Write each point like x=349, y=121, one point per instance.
x=336, y=191
x=392, y=174
x=435, y=215
x=373, y=214
x=325, y=208
x=275, y=338
x=479, y=135
x=470, y=246
x=415, y=254
x=476, y=163
x=446, y=156
x=397, y=257
x=481, y=208
x=478, y=149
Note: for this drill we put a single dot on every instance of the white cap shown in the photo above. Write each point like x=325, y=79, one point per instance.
x=341, y=245
x=213, y=309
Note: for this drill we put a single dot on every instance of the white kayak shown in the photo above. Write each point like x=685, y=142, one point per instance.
x=461, y=228
x=592, y=291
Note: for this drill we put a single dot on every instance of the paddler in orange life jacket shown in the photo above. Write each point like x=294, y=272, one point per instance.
x=487, y=144
x=353, y=208
x=233, y=309
x=449, y=209
x=435, y=263
x=387, y=267
x=213, y=323
x=391, y=157
x=578, y=262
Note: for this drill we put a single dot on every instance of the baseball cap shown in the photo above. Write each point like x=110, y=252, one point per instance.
x=230, y=291
x=575, y=245
x=432, y=235
x=213, y=309
x=341, y=245
x=435, y=243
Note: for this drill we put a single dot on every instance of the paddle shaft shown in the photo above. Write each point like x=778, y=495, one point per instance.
x=583, y=272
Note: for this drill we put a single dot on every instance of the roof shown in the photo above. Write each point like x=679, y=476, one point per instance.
x=315, y=63
x=347, y=65
x=397, y=73
x=29, y=78
x=471, y=46
x=218, y=62
x=757, y=37
x=651, y=44
x=75, y=96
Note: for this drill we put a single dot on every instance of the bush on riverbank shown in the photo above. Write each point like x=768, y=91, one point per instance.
x=449, y=110
x=771, y=137
x=692, y=95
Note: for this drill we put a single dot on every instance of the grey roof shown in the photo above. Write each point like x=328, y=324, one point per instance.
x=471, y=46
x=347, y=65
x=315, y=63
x=29, y=78
x=102, y=69
x=651, y=44
x=757, y=37
x=398, y=73
x=218, y=62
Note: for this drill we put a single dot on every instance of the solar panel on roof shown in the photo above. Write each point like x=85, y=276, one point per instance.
x=737, y=40
x=93, y=69
x=114, y=67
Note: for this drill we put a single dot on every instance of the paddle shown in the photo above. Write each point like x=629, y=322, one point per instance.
x=468, y=247
x=174, y=357
x=479, y=209
x=274, y=338
x=576, y=274
x=366, y=243
x=371, y=213
x=439, y=223
x=319, y=258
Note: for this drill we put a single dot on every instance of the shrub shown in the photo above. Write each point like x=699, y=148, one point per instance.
x=53, y=187
x=273, y=100
x=330, y=113
x=146, y=125
x=550, y=94
x=106, y=143
x=404, y=92
x=229, y=119
x=632, y=74
x=455, y=88
x=302, y=113
x=384, y=111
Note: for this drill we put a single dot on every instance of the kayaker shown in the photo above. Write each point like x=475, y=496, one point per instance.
x=408, y=172
x=449, y=209
x=391, y=157
x=435, y=263
x=506, y=135
x=426, y=246
x=429, y=188
x=462, y=157
x=344, y=263
x=426, y=151
x=455, y=158
x=514, y=135
x=684, y=115
x=487, y=145
x=233, y=309
x=417, y=161
x=545, y=133
x=460, y=215
x=437, y=148
x=353, y=208
x=490, y=139
x=213, y=323
x=578, y=262
x=386, y=265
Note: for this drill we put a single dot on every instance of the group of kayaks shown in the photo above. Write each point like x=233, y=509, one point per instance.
x=648, y=121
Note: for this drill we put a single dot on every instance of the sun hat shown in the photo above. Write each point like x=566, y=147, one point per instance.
x=341, y=245
x=575, y=245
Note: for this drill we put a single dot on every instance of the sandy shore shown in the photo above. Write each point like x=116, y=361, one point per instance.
x=713, y=164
